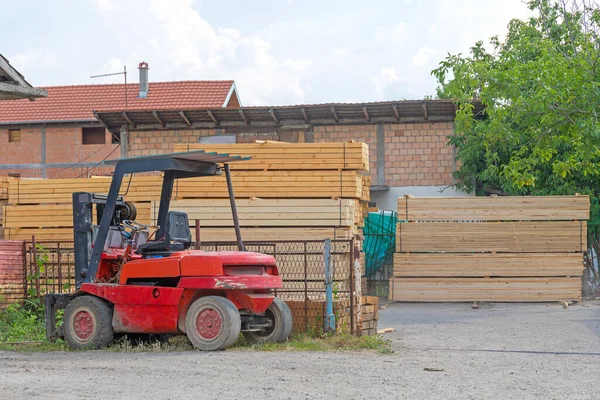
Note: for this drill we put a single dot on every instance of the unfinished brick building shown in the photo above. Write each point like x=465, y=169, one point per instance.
x=65, y=134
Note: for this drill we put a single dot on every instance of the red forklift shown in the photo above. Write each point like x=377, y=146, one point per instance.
x=140, y=280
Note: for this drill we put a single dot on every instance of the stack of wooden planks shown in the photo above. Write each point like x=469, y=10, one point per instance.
x=490, y=249
x=370, y=315
x=287, y=191
x=309, y=315
x=3, y=200
x=281, y=156
x=12, y=275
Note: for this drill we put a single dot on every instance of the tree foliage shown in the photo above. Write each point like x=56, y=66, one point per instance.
x=540, y=134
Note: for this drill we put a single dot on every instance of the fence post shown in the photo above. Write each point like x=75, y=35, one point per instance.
x=329, y=316
x=36, y=265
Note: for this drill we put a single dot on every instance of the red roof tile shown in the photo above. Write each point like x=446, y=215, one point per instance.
x=78, y=102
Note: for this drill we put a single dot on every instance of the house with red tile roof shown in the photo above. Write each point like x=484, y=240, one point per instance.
x=59, y=135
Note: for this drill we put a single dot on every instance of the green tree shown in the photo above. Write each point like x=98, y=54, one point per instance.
x=540, y=87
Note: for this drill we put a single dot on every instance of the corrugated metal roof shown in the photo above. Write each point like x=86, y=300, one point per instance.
x=273, y=116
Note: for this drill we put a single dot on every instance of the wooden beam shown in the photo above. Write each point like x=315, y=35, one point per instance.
x=335, y=116
x=396, y=113
x=100, y=119
x=157, y=118
x=244, y=116
x=272, y=112
x=185, y=118
x=303, y=111
x=211, y=116
x=424, y=106
x=129, y=120
x=366, y=112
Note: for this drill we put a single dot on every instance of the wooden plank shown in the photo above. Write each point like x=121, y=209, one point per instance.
x=267, y=212
x=207, y=234
x=511, y=237
x=247, y=184
x=291, y=156
x=499, y=208
x=485, y=289
x=481, y=265
x=54, y=216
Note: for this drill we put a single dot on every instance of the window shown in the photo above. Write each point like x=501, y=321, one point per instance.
x=14, y=135
x=93, y=136
x=220, y=139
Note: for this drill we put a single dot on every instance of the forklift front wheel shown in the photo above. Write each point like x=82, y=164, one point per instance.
x=212, y=323
x=281, y=324
x=88, y=323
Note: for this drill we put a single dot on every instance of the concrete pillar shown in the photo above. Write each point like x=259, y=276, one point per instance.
x=124, y=138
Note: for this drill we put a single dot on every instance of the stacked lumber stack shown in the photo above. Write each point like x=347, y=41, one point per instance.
x=370, y=315
x=309, y=315
x=3, y=200
x=490, y=249
x=12, y=276
x=328, y=179
x=343, y=161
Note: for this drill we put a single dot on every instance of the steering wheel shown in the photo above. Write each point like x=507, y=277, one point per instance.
x=134, y=225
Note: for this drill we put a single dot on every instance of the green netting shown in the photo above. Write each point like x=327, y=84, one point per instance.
x=380, y=240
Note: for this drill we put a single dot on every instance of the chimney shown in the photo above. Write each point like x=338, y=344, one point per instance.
x=143, y=67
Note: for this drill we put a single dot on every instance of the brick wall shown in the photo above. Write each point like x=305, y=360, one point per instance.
x=160, y=142
x=416, y=154
x=28, y=150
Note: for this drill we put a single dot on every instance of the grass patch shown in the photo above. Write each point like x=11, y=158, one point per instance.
x=22, y=329
x=339, y=342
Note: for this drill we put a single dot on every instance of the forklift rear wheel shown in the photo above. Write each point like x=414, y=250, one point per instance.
x=88, y=323
x=281, y=317
x=212, y=323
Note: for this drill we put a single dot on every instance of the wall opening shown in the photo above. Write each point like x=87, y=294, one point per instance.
x=95, y=135
x=14, y=135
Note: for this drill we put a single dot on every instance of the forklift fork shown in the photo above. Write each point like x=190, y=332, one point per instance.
x=53, y=302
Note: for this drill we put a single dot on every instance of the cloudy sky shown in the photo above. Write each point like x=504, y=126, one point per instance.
x=278, y=51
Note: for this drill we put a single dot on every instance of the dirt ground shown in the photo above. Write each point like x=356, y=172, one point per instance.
x=500, y=351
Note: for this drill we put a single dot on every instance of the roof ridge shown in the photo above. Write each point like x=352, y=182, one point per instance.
x=137, y=83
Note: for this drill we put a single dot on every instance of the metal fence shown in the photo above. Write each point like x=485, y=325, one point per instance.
x=50, y=268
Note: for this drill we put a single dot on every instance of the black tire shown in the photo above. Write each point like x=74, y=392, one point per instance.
x=280, y=314
x=88, y=323
x=212, y=323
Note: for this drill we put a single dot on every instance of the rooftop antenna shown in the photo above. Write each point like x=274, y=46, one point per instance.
x=124, y=73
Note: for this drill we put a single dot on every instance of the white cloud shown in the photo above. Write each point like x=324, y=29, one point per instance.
x=104, y=5
x=421, y=57
x=394, y=33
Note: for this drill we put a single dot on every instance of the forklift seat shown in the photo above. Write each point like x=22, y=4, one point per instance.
x=177, y=237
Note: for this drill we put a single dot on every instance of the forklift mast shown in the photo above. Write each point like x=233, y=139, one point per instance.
x=88, y=250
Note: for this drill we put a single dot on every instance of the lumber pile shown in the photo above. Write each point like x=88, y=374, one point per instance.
x=3, y=200
x=12, y=276
x=370, y=315
x=490, y=249
x=309, y=315
x=280, y=156
x=288, y=191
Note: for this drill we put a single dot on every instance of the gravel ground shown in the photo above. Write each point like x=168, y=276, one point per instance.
x=500, y=351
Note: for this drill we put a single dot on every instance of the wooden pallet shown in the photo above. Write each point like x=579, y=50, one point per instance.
x=485, y=289
x=247, y=184
x=499, y=208
x=291, y=156
x=459, y=237
x=483, y=265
